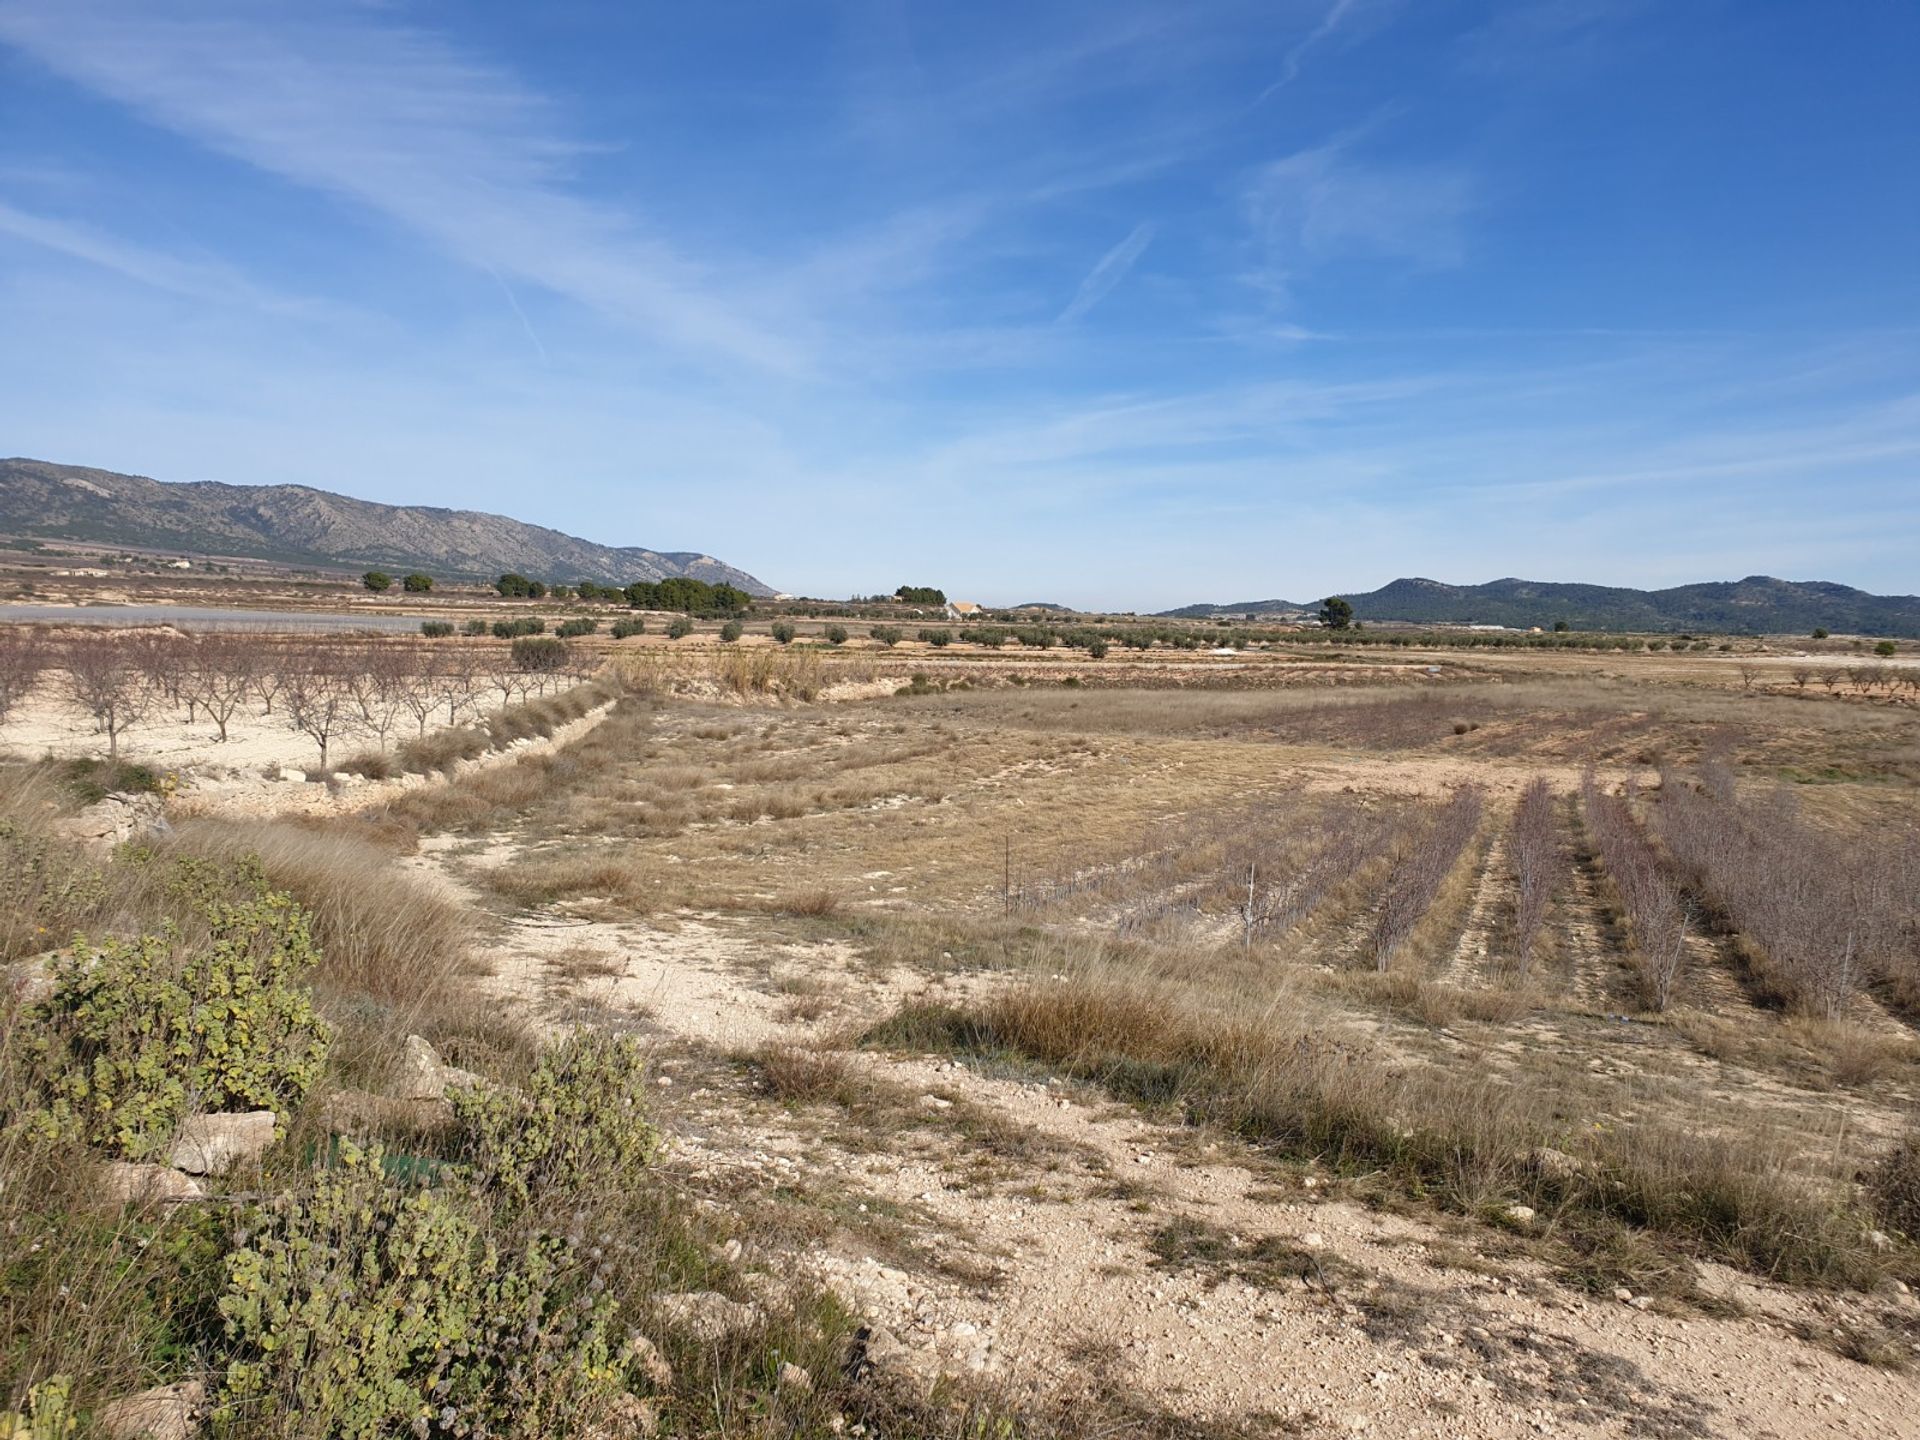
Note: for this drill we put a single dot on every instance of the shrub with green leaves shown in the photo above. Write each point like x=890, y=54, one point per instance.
x=580, y=625
x=137, y=1035
x=579, y=1118
x=436, y=629
x=540, y=654
x=369, y=1309
x=625, y=627
x=474, y=627
x=836, y=634
x=887, y=635
x=782, y=632
x=679, y=628
x=731, y=632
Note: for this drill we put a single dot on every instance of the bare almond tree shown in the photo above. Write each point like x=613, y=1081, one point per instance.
x=1651, y=903
x=225, y=670
x=106, y=677
x=23, y=659
x=1421, y=869
x=457, y=684
x=1536, y=869
x=317, y=701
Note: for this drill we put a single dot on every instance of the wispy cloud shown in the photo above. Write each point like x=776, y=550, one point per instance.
x=1322, y=204
x=1108, y=271
x=208, y=281
x=1337, y=15
x=455, y=151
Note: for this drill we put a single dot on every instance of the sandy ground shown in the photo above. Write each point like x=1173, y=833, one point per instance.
x=46, y=726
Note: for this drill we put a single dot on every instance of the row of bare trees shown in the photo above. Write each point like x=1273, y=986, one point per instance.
x=1534, y=854
x=1422, y=868
x=1824, y=912
x=327, y=689
x=1651, y=904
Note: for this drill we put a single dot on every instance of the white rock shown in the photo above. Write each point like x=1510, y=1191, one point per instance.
x=28, y=982
x=1622, y=1294
x=170, y=1412
x=293, y=776
x=708, y=1315
x=127, y=1182
x=649, y=1361
x=425, y=1076
x=213, y=1144
x=1520, y=1214
x=794, y=1378
x=117, y=819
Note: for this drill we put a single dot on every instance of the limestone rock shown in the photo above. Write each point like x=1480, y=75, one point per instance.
x=28, y=982
x=128, y=1182
x=425, y=1076
x=293, y=776
x=1555, y=1165
x=708, y=1315
x=1520, y=1214
x=117, y=819
x=213, y=1144
x=648, y=1360
x=631, y=1418
x=170, y=1412
x=794, y=1378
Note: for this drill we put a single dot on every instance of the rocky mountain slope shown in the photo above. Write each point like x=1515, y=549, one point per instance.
x=41, y=500
x=1757, y=604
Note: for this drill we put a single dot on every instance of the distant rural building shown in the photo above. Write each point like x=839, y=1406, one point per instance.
x=963, y=610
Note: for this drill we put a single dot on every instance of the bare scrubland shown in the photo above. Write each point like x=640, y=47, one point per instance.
x=1406, y=1047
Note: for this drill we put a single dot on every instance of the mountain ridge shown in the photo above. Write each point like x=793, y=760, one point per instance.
x=44, y=500
x=1758, y=603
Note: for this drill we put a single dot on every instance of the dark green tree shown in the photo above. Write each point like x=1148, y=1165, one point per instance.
x=377, y=581
x=1336, y=614
x=417, y=583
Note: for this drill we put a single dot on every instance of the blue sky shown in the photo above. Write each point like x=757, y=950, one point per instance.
x=1116, y=304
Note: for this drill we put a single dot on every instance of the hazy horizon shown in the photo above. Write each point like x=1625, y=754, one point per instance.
x=1112, y=306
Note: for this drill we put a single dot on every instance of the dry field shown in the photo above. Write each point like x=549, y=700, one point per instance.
x=1404, y=1044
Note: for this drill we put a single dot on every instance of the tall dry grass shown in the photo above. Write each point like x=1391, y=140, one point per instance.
x=1265, y=1066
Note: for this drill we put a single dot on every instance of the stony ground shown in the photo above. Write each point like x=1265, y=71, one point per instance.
x=1037, y=1236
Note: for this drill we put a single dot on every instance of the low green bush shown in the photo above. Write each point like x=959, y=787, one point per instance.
x=474, y=627
x=369, y=1308
x=136, y=1036
x=836, y=634
x=436, y=629
x=782, y=632
x=578, y=1119
x=573, y=629
x=679, y=627
x=887, y=635
x=539, y=653
x=628, y=626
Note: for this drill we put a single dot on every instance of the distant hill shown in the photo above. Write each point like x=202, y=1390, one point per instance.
x=1237, y=609
x=1758, y=604
x=298, y=525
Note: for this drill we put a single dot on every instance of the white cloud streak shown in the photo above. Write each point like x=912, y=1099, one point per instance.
x=1290, y=66
x=211, y=282
x=452, y=150
x=1108, y=271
